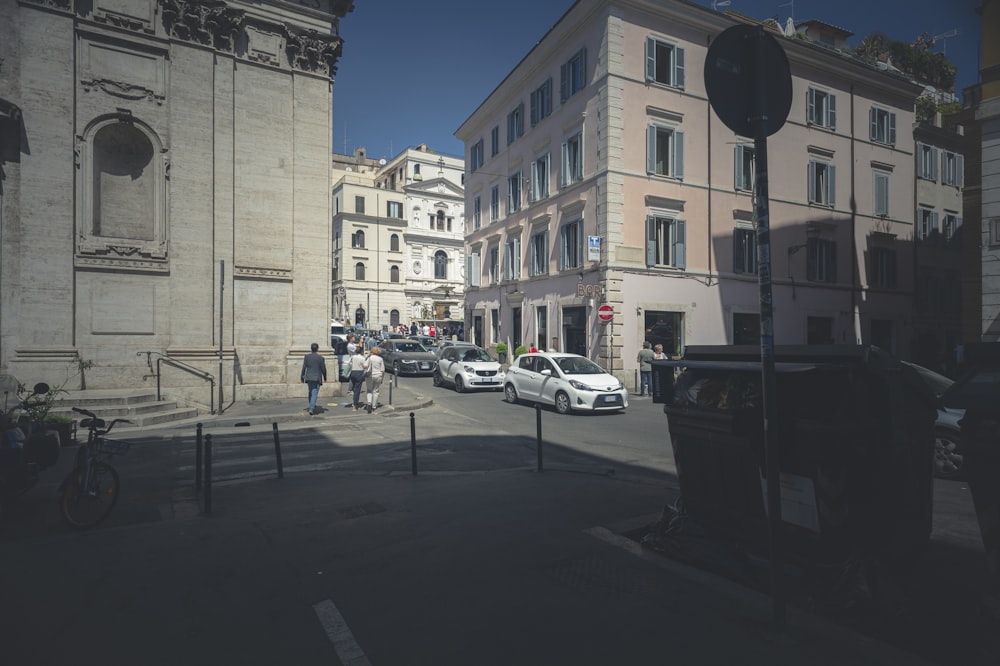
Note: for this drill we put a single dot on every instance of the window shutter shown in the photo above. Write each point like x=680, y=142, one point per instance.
x=563, y=82
x=650, y=59
x=678, y=73
x=831, y=105
x=811, y=173
x=831, y=184
x=811, y=106
x=534, y=108
x=891, y=268
x=738, y=183
x=650, y=241
x=812, y=255
x=738, y=266
x=517, y=258
x=959, y=170
x=651, y=149
x=472, y=270
x=872, y=124
x=562, y=248
x=833, y=261
x=892, y=129
x=677, y=156
x=934, y=164
x=579, y=244
x=677, y=232
x=583, y=67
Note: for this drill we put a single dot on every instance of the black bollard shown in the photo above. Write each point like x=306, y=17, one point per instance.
x=277, y=451
x=208, y=474
x=390, y=393
x=413, y=445
x=538, y=427
x=197, y=460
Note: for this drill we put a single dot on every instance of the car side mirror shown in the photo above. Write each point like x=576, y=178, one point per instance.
x=547, y=372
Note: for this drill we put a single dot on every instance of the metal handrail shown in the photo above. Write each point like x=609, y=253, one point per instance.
x=180, y=365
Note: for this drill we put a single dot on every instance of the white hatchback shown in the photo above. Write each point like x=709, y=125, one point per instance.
x=468, y=367
x=566, y=381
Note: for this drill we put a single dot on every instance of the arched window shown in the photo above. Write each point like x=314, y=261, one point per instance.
x=359, y=271
x=358, y=238
x=394, y=274
x=440, y=265
x=394, y=243
x=394, y=318
x=359, y=317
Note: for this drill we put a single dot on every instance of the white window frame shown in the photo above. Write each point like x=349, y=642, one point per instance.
x=512, y=259
x=822, y=183
x=821, y=108
x=952, y=168
x=540, y=178
x=394, y=209
x=821, y=260
x=473, y=270
x=927, y=223
x=573, y=75
x=670, y=165
x=495, y=141
x=950, y=225
x=514, y=192
x=515, y=123
x=666, y=241
x=880, y=193
x=572, y=162
x=571, y=245
x=494, y=203
x=927, y=162
x=882, y=264
x=477, y=212
x=494, y=264
x=745, y=167
x=476, y=156
x=745, y=250
x=541, y=102
x=882, y=126
x=664, y=63
x=540, y=253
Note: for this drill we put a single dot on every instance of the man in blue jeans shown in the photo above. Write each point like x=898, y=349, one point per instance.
x=313, y=374
x=645, y=359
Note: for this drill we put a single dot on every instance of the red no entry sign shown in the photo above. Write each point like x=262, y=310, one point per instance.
x=605, y=312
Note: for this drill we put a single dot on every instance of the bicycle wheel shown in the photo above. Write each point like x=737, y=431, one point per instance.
x=85, y=507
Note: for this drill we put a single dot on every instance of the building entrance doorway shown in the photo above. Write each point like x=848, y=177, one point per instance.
x=575, y=330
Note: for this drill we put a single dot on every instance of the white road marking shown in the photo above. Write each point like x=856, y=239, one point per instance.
x=340, y=634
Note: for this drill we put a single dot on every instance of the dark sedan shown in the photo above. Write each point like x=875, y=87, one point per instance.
x=407, y=357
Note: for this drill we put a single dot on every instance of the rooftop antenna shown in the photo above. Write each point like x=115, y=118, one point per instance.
x=720, y=3
x=944, y=36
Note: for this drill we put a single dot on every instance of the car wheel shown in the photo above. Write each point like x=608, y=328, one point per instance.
x=436, y=378
x=510, y=394
x=396, y=367
x=949, y=457
x=562, y=402
x=459, y=384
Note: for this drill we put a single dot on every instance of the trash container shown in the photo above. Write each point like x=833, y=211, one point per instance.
x=854, y=431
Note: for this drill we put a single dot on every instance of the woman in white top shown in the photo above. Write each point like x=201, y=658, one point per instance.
x=375, y=369
x=357, y=377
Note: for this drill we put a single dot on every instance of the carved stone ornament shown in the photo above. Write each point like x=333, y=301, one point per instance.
x=207, y=22
x=123, y=90
x=55, y=4
x=313, y=52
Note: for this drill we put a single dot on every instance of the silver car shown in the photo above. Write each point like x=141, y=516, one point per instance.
x=566, y=381
x=949, y=455
x=468, y=367
x=407, y=357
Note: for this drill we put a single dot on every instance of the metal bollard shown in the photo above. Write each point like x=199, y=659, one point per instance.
x=197, y=460
x=208, y=475
x=538, y=427
x=390, y=393
x=413, y=445
x=395, y=378
x=277, y=451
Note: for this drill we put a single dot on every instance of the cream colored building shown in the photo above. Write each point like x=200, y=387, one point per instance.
x=165, y=191
x=598, y=173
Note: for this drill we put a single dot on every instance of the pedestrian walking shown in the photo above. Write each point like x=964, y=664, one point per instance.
x=357, y=378
x=374, y=371
x=313, y=374
x=645, y=359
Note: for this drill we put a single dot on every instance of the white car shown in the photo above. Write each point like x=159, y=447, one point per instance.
x=468, y=367
x=567, y=381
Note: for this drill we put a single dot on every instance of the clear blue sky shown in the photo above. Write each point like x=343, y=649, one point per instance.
x=413, y=72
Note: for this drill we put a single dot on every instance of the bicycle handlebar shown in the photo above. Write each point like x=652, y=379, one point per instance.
x=96, y=422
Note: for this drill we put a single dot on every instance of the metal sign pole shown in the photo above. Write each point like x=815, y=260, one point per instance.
x=222, y=290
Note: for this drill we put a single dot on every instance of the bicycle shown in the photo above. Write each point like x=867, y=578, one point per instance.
x=90, y=491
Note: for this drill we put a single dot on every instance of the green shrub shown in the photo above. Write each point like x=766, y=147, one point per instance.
x=501, y=347
x=521, y=349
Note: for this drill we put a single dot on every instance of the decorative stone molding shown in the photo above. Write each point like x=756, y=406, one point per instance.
x=206, y=22
x=135, y=16
x=311, y=51
x=54, y=4
x=123, y=90
x=257, y=273
x=263, y=45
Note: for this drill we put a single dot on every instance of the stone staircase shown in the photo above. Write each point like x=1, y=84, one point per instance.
x=138, y=406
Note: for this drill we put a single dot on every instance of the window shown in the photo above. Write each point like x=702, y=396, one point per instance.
x=438, y=221
x=927, y=223
x=394, y=243
x=571, y=245
x=881, y=191
x=473, y=270
x=541, y=102
x=394, y=274
x=882, y=267
x=440, y=265
x=358, y=239
x=952, y=223
x=883, y=126
x=665, y=244
x=664, y=63
x=514, y=193
x=927, y=159
x=819, y=330
x=745, y=166
x=542, y=326
x=572, y=168
x=494, y=265
x=665, y=151
x=512, y=259
x=394, y=318
x=416, y=170
x=359, y=271
x=664, y=328
x=359, y=205
x=572, y=75
x=822, y=183
x=540, y=178
x=821, y=109
x=494, y=141
x=746, y=328
x=477, y=212
x=495, y=324
x=881, y=335
x=476, y=156
x=394, y=209
x=952, y=169
x=744, y=251
x=515, y=124
x=336, y=269
x=495, y=203
x=540, y=253
x=821, y=260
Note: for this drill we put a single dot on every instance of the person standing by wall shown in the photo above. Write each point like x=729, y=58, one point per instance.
x=374, y=370
x=645, y=358
x=313, y=375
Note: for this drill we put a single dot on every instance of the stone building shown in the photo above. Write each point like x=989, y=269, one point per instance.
x=165, y=191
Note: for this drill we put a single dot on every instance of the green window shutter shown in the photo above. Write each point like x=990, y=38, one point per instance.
x=677, y=155
x=650, y=241
x=651, y=149
x=678, y=233
x=678, y=73
x=831, y=102
x=650, y=59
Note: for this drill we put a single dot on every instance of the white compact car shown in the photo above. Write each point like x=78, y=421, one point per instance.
x=468, y=367
x=567, y=381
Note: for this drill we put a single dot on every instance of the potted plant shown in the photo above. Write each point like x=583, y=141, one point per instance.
x=37, y=404
x=502, y=352
x=521, y=349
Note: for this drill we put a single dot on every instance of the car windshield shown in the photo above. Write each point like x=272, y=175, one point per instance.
x=409, y=347
x=574, y=365
x=935, y=382
x=475, y=355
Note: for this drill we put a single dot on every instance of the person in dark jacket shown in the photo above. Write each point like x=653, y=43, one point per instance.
x=313, y=374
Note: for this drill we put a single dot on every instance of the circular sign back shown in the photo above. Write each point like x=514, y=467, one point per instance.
x=747, y=78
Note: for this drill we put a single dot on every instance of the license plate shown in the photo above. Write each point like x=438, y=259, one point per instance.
x=610, y=398
x=425, y=366
x=486, y=381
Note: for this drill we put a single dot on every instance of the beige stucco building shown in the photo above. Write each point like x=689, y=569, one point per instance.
x=166, y=190
x=598, y=173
